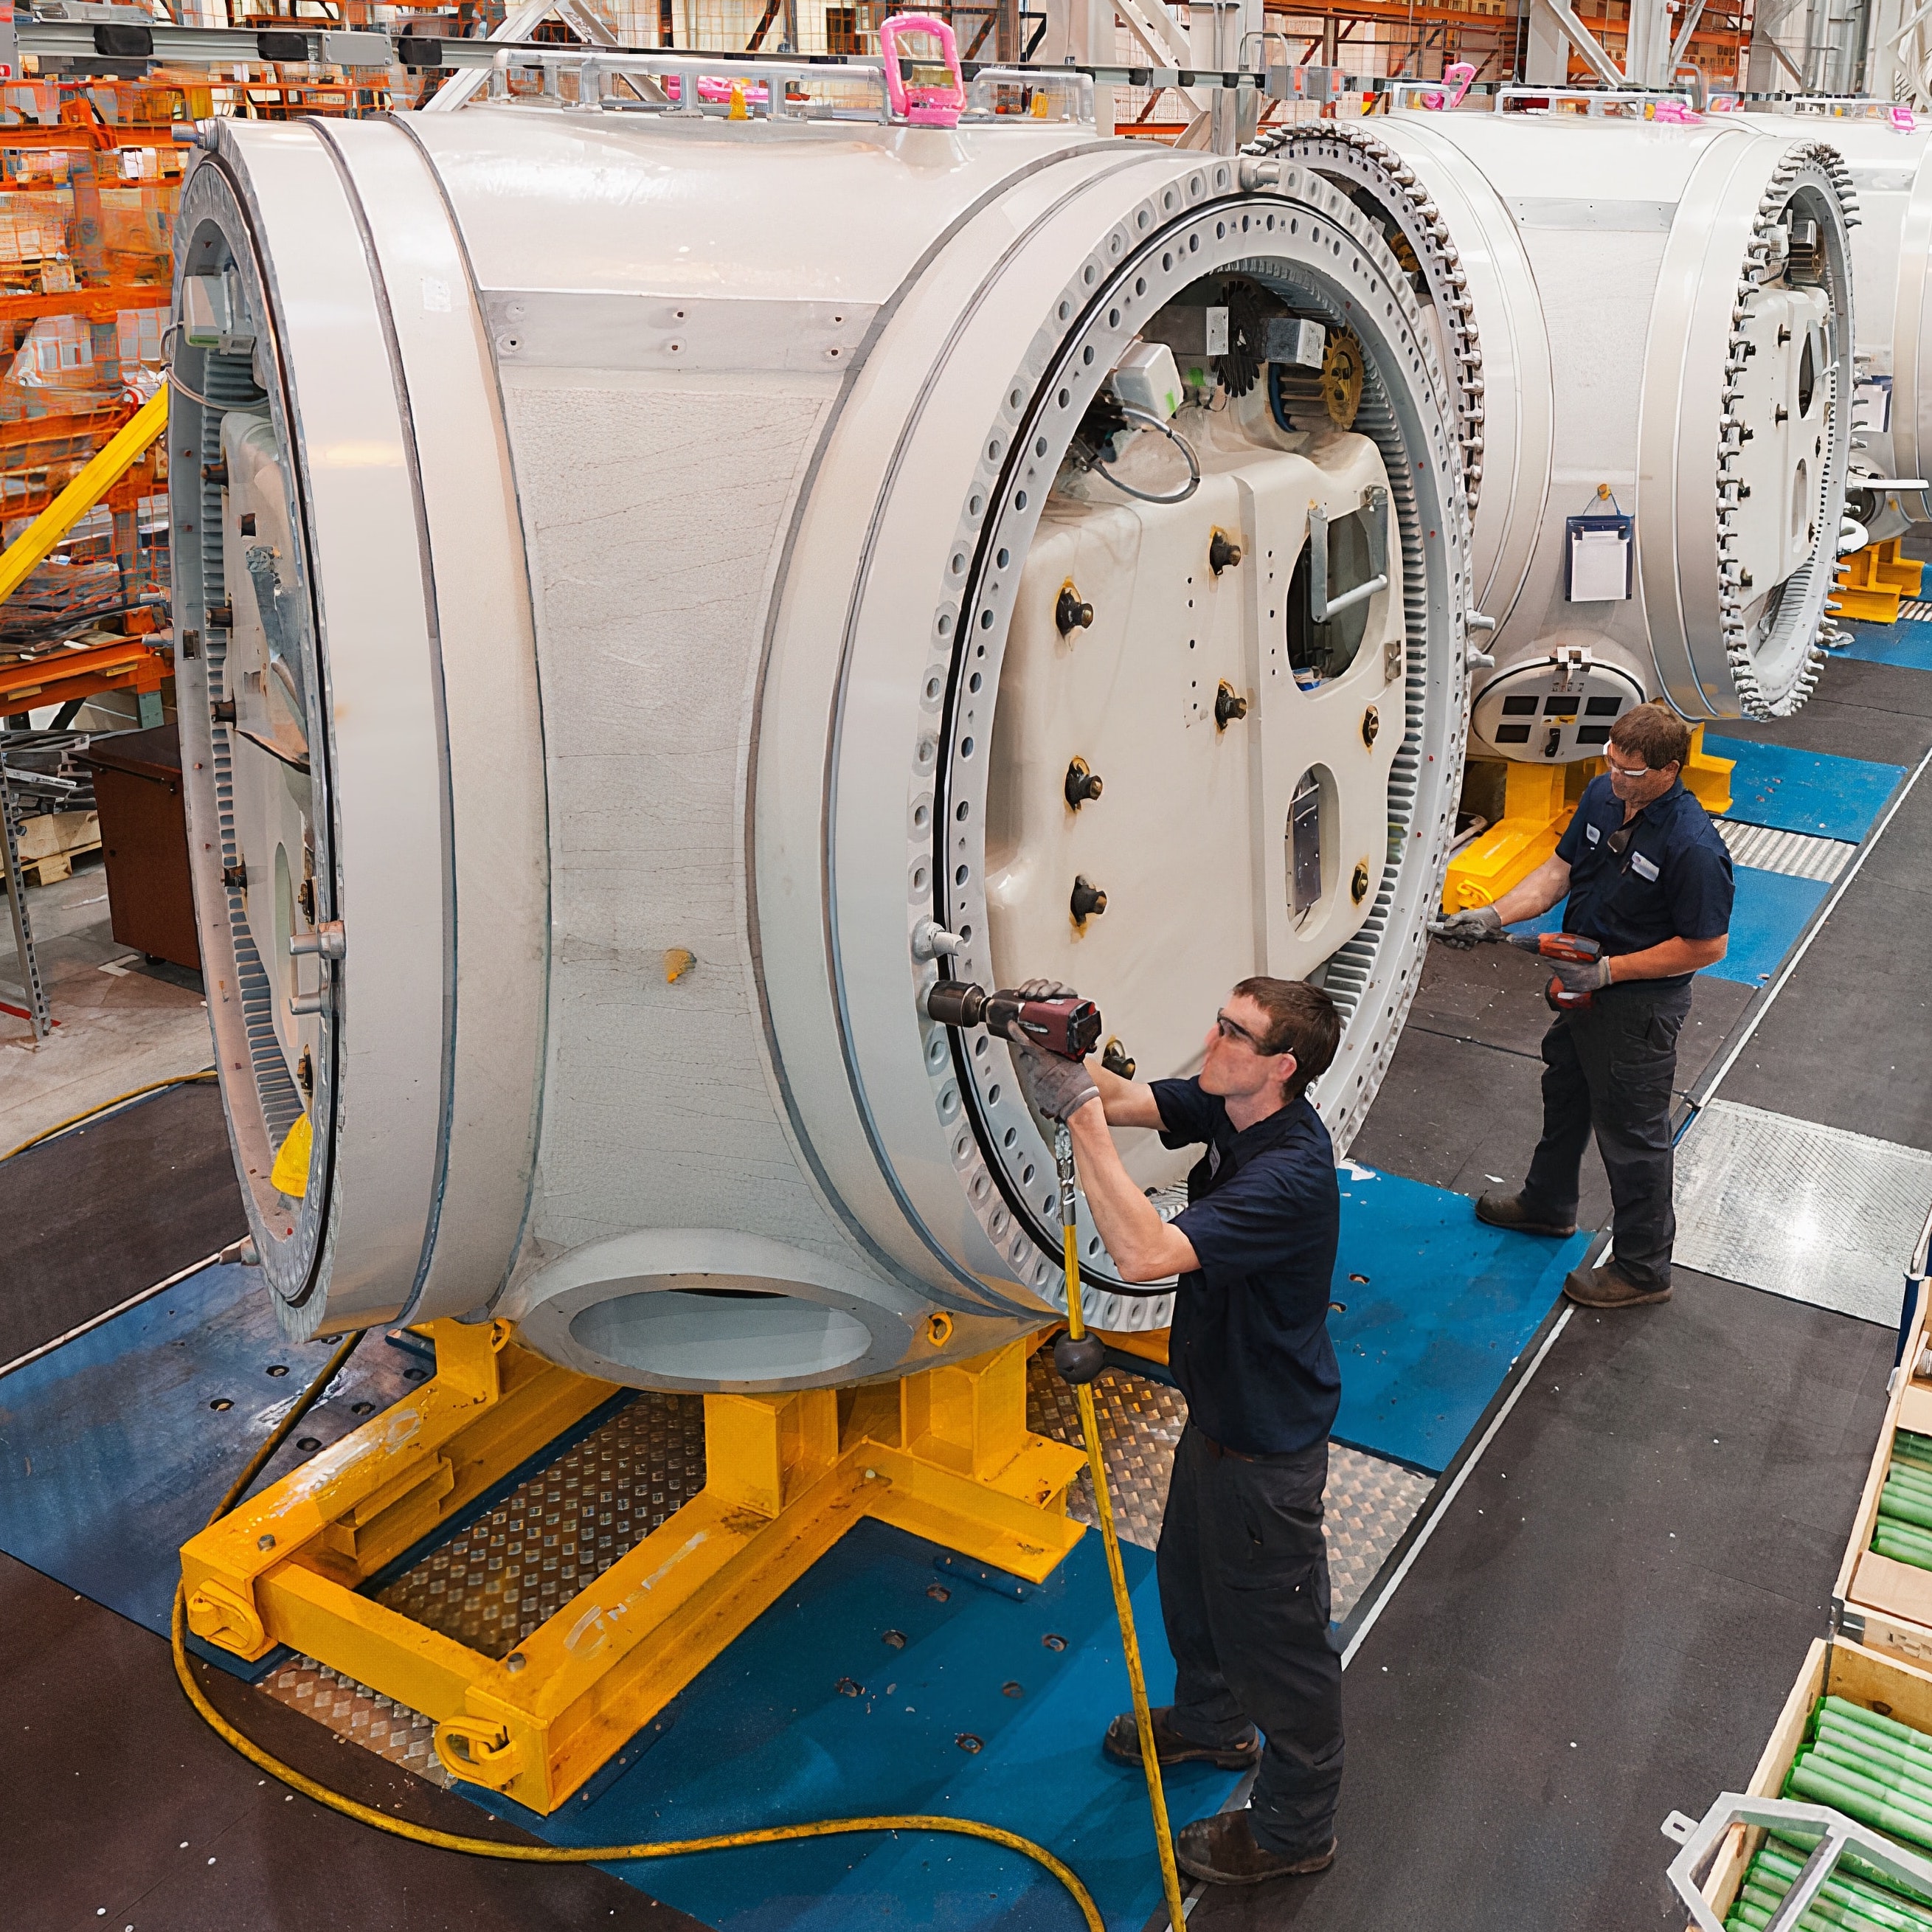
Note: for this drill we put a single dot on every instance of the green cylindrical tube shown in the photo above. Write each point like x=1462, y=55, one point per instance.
x=1910, y=1762
x=1910, y=1474
x=1911, y=1533
x=1895, y=1501
x=1913, y=1555
x=1878, y=1783
x=1857, y=1713
x=1797, y=1846
x=1828, y=1913
x=1769, y=1884
x=1857, y=1798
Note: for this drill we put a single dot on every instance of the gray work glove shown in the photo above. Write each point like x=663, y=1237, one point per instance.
x=1045, y=989
x=1055, y=1088
x=1467, y=927
x=1583, y=976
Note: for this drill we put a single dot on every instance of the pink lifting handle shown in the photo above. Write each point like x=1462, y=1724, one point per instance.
x=925, y=103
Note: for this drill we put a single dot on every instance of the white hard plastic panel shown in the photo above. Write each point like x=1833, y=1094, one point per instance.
x=1912, y=341
x=384, y=740
x=550, y=198
x=275, y=802
x=1519, y=394
x=1611, y=173
x=962, y=309
x=1778, y=522
x=488, y=664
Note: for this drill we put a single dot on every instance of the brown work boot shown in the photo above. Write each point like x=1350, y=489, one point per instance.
x=1122, y=1744
x=1507, y=1211
x=1222, y=1850
x=1608, y=1287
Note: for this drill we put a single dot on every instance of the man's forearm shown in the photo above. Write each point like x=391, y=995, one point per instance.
x=1536, y=894
x=1667, y=962
x=1143, y=1247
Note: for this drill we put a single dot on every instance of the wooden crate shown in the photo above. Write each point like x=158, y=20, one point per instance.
x=1881, y=1603
x=51, y=841
x=1861, y=1676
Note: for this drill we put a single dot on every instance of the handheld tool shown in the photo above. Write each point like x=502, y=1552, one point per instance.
x=1069, y=1027
x=1570, y=947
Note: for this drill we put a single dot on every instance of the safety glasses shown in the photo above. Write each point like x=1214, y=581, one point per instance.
x=1234, y=1030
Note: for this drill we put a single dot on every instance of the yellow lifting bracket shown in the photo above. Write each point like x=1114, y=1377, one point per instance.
x=103, y=470
x=944, y=1454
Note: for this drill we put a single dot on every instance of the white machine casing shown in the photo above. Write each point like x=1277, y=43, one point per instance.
x=667, y=519
x=1643, y=344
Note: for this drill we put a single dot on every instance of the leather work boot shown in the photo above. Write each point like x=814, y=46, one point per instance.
x=1607, y=1287
x=1222, y=1851
x=1122, y=1744
x=1506, y=1211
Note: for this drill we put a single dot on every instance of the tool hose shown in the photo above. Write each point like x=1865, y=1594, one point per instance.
x=560, y=1855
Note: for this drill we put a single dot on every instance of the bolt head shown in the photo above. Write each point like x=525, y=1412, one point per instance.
x=265, y=1542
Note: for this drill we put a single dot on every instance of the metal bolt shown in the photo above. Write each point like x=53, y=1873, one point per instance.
x=264, y=1541
x=515, y=1660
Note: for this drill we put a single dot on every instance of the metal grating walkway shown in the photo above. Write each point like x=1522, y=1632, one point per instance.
x=1797, y=854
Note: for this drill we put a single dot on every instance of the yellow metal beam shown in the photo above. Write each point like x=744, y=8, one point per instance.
x=945, y=1455
x=103, y=469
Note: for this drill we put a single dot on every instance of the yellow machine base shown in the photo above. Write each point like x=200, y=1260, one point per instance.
x=944, y=1454
x=1537, y=802
x=1873, y=581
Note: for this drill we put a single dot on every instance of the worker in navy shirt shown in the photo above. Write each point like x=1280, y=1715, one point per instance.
x=1243, y=1564
x=1648, y=877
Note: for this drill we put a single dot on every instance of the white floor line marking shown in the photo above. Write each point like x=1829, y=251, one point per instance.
x=1462, y=1477
x=109, y=1314
x=1829, y=906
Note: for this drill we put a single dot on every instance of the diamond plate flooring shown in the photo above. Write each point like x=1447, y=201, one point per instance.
x=490, y=1586
x=1796, y=854
x=1368, y=1504
x=356, y=1713
x=1813, y=1213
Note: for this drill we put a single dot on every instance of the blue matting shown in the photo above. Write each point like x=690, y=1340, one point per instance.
x=1437, y=1305
x=1803, y=791
x=765, y=1735
x=1906, y=643
x=1769, y=912
x=111, y=1455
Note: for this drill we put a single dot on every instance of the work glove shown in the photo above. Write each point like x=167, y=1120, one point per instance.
x=1056, y=1089
x=1583, y=976
x=1469, y=927
x=1045, y=989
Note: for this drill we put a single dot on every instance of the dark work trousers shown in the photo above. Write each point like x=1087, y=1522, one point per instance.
x=1243, y=1573
x=1610, y=1070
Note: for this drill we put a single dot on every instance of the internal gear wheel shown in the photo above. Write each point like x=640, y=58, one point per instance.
x=1331, y=394
x=1351, y=157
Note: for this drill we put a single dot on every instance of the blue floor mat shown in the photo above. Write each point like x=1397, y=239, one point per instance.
x=1437, y=1307
x=1770, y=911
x=1803, y=791
x=1906, y=643
x=113, y=1451
x=765, y=1735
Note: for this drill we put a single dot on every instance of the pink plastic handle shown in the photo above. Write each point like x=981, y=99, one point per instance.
x=922, y=105
x=1459, y=77
x=1676, y=114
x=1904, y=120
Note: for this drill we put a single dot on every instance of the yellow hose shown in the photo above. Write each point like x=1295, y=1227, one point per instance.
x=559, y=1855
x=1116, y=1575
x=106, y=1106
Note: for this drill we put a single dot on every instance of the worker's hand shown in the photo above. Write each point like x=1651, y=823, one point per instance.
x=1045, y=989
x=1583, y=976
x=1057, y=1088
x=1468, y=927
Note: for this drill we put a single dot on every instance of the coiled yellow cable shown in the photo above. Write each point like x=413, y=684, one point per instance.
x=106, y=1107
x=560, y=1855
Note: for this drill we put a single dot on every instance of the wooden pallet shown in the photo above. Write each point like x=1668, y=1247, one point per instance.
x=51, y=841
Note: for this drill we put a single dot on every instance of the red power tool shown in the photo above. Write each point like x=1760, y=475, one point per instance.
x=1069, y=1027
x=1569, y=946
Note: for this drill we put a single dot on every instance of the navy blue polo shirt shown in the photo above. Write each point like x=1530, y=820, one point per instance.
x=1673, y=880
x=1249, y=1345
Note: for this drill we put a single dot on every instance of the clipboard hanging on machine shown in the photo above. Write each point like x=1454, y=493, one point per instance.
x=1599, y=554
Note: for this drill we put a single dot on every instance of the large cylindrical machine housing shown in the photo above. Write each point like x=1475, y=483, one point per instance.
x=1661, y=435
x=629, y=558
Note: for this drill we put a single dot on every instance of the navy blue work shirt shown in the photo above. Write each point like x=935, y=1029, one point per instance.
x=1249, y=1345
x=1672, y=880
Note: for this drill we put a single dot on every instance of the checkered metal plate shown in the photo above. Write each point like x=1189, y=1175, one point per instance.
x=1810, y=1212
x=1368, y=1504
x=1798, y=854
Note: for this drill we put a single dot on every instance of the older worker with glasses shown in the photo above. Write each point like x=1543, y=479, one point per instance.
x=1243, y=1566
x=1648, y=877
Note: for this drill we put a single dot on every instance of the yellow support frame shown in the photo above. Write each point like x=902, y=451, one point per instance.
x=1871, y=583
x=944, y=1454
x=103, y=469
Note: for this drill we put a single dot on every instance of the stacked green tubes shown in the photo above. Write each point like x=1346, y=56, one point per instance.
x=1872, y=1769
x=1845, y=1904
x=1903, y=1529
